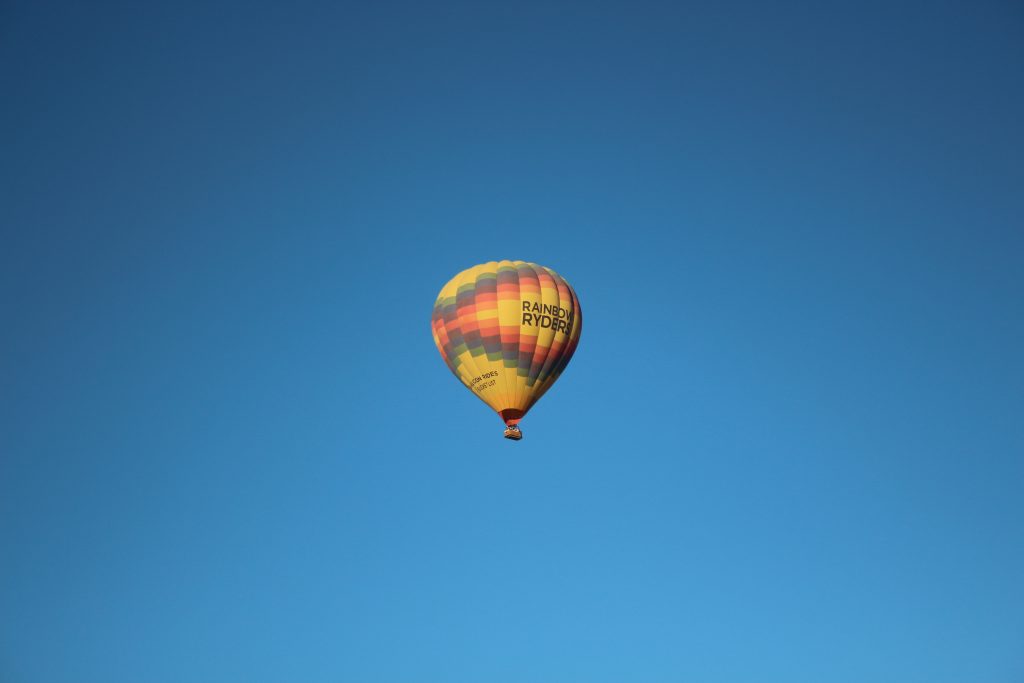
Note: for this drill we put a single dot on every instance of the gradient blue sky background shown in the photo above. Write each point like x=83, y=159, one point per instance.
x=790, y=447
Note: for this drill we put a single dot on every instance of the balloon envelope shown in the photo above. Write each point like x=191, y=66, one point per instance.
x=507, y=329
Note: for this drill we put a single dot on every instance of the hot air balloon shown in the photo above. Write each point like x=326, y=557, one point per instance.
x=507, y=329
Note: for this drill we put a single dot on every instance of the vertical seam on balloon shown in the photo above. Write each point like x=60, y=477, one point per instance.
x=538, y=383
x=558, y=363
x=523, y=397
x=516, y=400
x=512, y=382
x=495, y=267
x=542, y=376
x=551, y=361
x=533, y=356
x=510, y=385
x=571, y=341
x=464, y=277
x=501, y=344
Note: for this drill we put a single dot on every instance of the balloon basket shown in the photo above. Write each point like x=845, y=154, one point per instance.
x=512, y=432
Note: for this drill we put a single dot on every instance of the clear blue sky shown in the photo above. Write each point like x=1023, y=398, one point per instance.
x=790, y=447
